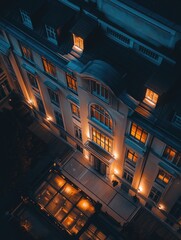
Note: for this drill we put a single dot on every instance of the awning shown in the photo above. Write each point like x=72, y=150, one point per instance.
x=50, y=85
x=99, y=152
x=29, y=69
x=168, y=169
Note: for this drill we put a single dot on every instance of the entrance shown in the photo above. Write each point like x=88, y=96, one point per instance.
x=99, y=165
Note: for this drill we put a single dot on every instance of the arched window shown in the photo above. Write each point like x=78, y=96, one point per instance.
x=98, y=113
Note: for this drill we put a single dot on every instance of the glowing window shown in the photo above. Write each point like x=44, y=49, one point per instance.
x=78, y=42
x=163, y=177
x=71, y=82
x=151, y=98
x=132, y=156
x=172, y=155
x=49, y=67
x=102, y=140
x=138, y=133
x=75, y=110
x=100, y=114
x=26, y=52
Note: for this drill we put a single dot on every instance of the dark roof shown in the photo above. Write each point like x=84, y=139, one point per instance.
x=107, y=74
x=30, y=6
x=84, y=26
x=58, y=15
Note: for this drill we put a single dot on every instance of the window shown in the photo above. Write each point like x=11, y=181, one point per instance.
x=149, y=53
x=102, y=140
x=26, y=19
x=163, y=177
x=58, y=118
x=26, y=52
x=138, y=133
x=118, y=36
x=100, y=114
x=53, y=97
x=128, y=176
x=51, y=34
x=33, y=81
x=75, y=110
x=40, y=105
x=177, y=120
x=71, y=82
x=154, y=195
x=172, y=155
x=131, y=156
x=49, y=67
x=151, y=98
x=100, y=91
x=78, y=132
x=78, y=42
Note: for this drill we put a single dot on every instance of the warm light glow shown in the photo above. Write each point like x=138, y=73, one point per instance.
x=161, y=207
x=88, y=135
x=86, y=156
x=116, y=171
x=30, y=101
x=78, y=43
x=49, y=118
x=115, y=155
x=151, y=98
x=140, y=189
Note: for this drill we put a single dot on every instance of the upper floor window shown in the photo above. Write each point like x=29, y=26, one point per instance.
x=151, y=98
x=78, y=132
x=71, y=82
x=100, y=91
x=40, y=105
x=75, y=110
x=78, y=42
x=102, y=140
x=138, y=133
x=58, y=118
x=26, y=52
x=163, y=177
x=26, y=19
x=33, y=81
x=172, y=155
x=131, y=156
x=177, y=120
x=100, y=114
x=154, y=195
x=51, y=34
x=49, y=67
x=53, y=97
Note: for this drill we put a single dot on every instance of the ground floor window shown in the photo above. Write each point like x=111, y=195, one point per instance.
x=128, y=176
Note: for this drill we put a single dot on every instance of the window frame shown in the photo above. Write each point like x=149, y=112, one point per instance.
x=33, y=81
x=100, y=91
x=151, y=97
x=134, y=134
x=26, y=52
x=51, y=34
x=49, y=68
x=102, y=140
x=54, y=98
x=42, y=107
x=71, y=82
x=155, y=195
x=163, y=174
x=100, y=115
x=58, y=123
x=78, y=42
x=77, y=132
x=77, y=112
x=26, y=18
x=175, y=160
x=128, y=176
x=133, y=154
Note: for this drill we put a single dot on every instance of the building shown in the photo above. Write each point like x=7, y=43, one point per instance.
x=104, y=76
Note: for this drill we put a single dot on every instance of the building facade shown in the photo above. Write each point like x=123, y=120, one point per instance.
x=104, y=76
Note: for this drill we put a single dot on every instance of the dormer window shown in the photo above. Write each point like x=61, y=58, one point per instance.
x=51, y=34
x=26, y=19
x=78, y=42
x=151, y=98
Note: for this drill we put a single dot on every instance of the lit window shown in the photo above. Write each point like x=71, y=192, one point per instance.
x=163, y=177
x=51, y=34
x=100, y=114
x=100, y=91
x=128, y=176
x=138, y=133
x=49, y=67
x=71, y=82
x=58, y=118
x=78, y=42
x=53, y=97
x=33, y=81
x=102, y=140
x=75, y=110
x=154, y=195
x=151, y=98
x=26, y=52
x=26, y=19
x=78, y=132
x=172, y=155
x=131, y=156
